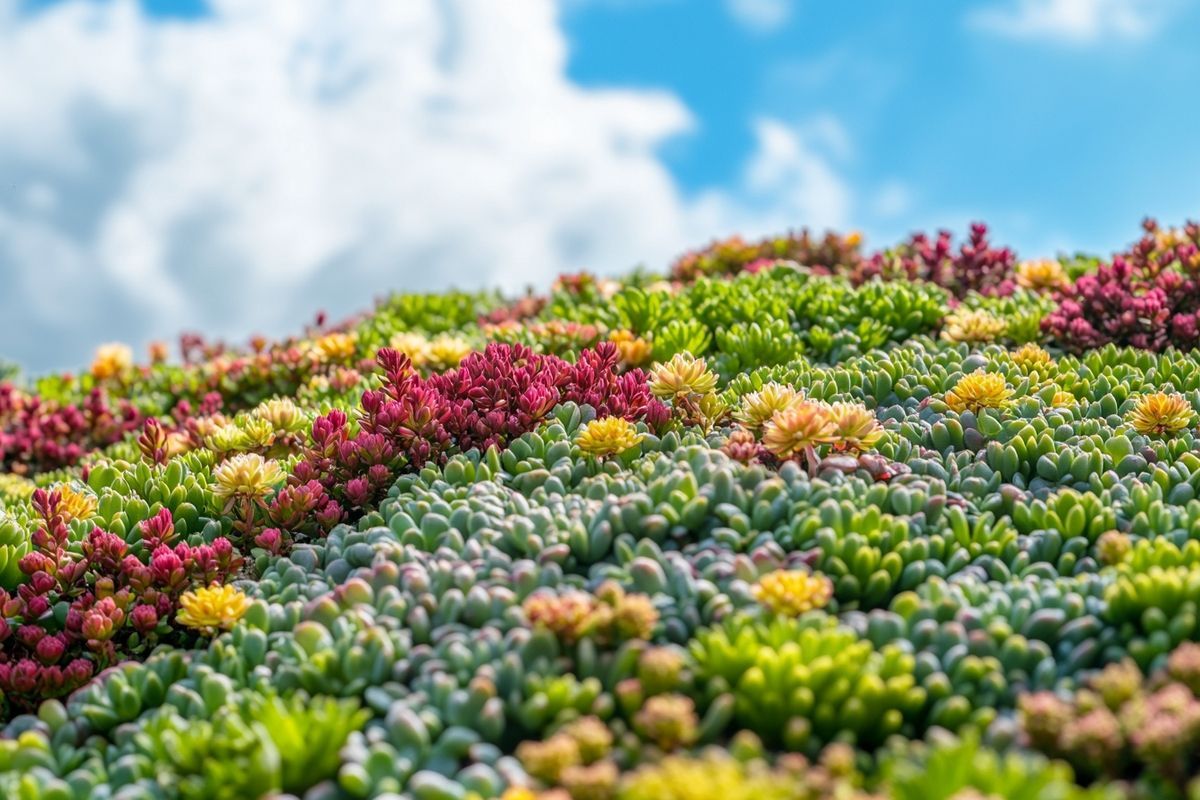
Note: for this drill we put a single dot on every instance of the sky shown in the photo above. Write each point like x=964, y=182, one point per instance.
x=234, y=166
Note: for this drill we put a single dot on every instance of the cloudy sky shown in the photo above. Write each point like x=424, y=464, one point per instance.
x=235, y=165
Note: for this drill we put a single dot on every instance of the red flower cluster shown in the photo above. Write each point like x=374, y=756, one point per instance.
x=115, y=603
x=977, y=266
x=37, y=436
x=595, y=379
x=489, y=399
x=1148, y=297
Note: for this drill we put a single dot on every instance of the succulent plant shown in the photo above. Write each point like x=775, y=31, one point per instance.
x=914, y=523
x=1043, y=274
x=973, y=327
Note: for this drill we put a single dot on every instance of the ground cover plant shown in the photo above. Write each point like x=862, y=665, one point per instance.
x=791, y=519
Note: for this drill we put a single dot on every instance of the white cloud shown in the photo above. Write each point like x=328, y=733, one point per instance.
x=892, y=199
x=760, y=15
x=1077, y=21
x=792, y=179
x=237, y=173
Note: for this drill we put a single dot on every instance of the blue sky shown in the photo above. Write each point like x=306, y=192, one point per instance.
x=1062, y=138
x=234, y=166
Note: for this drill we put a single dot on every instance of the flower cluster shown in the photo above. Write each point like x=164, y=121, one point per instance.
x=81, y=611
x=492, y=397
x=1148, y=297
x=38, y=435
x=802, y=429
x=841, y=539
x=976, y=266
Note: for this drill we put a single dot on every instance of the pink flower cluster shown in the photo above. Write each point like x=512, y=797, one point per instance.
x=36, y=436
x=1148, y=297
x=977, y=266
x=489, y=399
x=115, y=603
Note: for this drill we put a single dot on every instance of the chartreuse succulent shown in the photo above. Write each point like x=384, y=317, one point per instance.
x=790, y=518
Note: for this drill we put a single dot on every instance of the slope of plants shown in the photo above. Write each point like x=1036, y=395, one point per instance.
x=790, y=520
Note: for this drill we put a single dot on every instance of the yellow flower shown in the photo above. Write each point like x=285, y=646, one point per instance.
x=212, y=607
x=793, y=592
x=1166, y=238
x=854, y=427
x=1030, y=356
x=634, y=350
x=1161, y=414
x=111, y=361
x=797, y=428
x=715, y=776
x=249, y=434
x=334, y=347
x=547, y=759
x=159, y=352
x=978, y=391
x=757, y=408
x=591, y=735
x=74, y=504
x=607, y=436
x=15, y=487
x=1062, y=399
x=413, y=345
x=518, y=793
x=448, y=351
x=282, y=414
x=246, y=475
x=682, y=376
x=207, y=426
x=973, y=327
x=1044, y=273
x=853, y=239
x=224, y=439
x=1113, y=547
